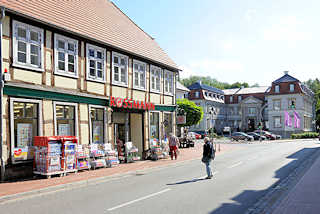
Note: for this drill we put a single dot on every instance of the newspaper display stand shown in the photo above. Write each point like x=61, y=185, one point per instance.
x=131, y=153
x=111, y=156
x=97, y=155
x=83, y=157
x=48, y=156
x=159, y=151
x=69, y=151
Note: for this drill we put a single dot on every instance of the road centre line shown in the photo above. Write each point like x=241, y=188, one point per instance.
x=234, y=165
x=139, y=199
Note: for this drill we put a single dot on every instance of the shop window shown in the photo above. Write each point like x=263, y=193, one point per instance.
x=139, y=74
x=27, y=46
x=154, y=127
x=120, y=69
x=96, y=63
x=155, y=76
x=26, y=123
x=168, y=82
x=167, y=124
x=66, y=56
x=97, y=120
x=65, y=120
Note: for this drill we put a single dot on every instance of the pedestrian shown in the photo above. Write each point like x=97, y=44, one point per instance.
x=173, y=144
x=208, y=156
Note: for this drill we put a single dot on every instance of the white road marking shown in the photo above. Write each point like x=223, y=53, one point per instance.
x=234, y=165
x=139, y=199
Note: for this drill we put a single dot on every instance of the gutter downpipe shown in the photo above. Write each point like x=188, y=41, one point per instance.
x=3, y=167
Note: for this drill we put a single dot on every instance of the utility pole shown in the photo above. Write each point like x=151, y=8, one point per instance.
x=2, y=15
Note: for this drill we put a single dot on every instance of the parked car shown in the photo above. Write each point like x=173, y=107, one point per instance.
x=191, y=135
x=257, y=136
x=267, y=134
x=196, y=135
x=241, y=136
x=203, y=134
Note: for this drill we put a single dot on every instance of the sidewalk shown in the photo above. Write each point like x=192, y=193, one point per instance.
x=11, y=188
x=304, y=197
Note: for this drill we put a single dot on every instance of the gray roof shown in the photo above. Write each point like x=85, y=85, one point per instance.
x=252, y=90
x=286, y=78
x=199, y=85
x=181, y=87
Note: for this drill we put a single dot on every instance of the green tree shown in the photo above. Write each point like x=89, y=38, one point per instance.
x=314, y=85
x=194, y=113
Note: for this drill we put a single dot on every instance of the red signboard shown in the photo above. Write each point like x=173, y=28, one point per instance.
x=130, y=103
x=181, y=119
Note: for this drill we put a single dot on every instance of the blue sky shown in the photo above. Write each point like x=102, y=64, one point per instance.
x=234, y=40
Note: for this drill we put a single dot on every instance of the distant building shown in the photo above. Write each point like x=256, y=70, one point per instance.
x=285, y=107
x=181, y=91
x=212, y=101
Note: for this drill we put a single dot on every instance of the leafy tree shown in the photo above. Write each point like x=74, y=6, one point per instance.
x=194, y=113
x=212, y=82
x=314, y=85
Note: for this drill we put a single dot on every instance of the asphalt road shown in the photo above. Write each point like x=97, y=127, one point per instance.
x=241, y=177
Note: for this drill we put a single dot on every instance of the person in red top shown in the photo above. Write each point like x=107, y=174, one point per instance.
x=173, y=144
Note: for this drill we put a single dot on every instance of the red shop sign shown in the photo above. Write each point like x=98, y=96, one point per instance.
x=130, y=103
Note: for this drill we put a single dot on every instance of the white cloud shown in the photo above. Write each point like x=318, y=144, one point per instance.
x=288, y=29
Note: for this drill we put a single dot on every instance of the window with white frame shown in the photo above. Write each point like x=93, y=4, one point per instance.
x=291, y=87
x=96, y=57
x=277, y=88
x=66, y=55
x=197, y=94
x=239, y=99
x=120, y=69
x=251, y=110
x=139, y=74
x=277, y=122
x=27, y=46
x=168, y=82
x=155, y=78
x=277, y=105
x=231, y=99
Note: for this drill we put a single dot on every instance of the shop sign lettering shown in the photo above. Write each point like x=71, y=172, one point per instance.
x=130, y=103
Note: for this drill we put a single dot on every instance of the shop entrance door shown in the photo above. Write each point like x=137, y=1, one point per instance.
x=136, y=131
x=119, y=132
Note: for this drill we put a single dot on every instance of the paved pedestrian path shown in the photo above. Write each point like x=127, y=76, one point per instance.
x=304, y=198
x=186, y=154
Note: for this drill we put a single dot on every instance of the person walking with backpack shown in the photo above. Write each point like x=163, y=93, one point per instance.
x=208, y=156
x=173, y=144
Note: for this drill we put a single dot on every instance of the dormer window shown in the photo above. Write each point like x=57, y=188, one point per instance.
x=291, y=87
x=277, y=88
x=231, y=99
x=239, y=99
x=197, y=94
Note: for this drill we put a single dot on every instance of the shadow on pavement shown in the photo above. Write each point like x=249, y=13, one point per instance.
x=188, y=181
x=246, y=199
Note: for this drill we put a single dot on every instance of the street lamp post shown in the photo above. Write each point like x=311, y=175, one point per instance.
x=2, y=15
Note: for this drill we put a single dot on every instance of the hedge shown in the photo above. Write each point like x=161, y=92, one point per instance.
x=305, y=135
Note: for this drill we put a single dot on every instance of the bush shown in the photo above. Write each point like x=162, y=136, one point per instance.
x=305, y=135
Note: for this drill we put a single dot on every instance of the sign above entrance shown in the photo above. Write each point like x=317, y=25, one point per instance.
x=130, y=103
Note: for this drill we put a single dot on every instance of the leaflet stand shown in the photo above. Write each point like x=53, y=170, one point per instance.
x=131, y=153
x=111, y=156
x=69, y=150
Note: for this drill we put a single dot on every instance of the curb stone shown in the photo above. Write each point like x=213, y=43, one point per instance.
x=269, y=202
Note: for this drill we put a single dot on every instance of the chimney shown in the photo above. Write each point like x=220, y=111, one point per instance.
x=242, y=87
x=199, y=81
x=286, y=72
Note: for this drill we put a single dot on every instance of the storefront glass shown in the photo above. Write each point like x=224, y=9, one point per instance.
x=65, y=120
x=154, y=126
x=97, y=124
x=25, y=123
x=167, y=124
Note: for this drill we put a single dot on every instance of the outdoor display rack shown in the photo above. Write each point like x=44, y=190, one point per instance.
x=69, y=152
x=48, y=156
x=97, y=155
x=111, y=156
x=83, y=157
x=131, y=153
